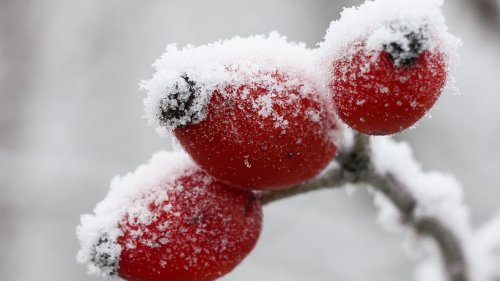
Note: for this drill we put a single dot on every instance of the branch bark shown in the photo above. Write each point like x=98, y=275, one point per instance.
x=355, y=167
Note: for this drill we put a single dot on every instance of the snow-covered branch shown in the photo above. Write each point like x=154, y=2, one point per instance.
x=420, y=212
x=448, y=242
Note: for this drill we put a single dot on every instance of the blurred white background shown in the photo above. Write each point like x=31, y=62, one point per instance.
x=70, y=119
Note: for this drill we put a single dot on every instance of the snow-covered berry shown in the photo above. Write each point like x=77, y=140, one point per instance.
x=266, y=121
x=387, y=63
x=170, y=221
x=271, y=132
x=385, y=92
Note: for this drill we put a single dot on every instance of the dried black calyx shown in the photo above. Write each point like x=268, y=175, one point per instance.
x=176, y=109
x=102, y=255
x=405, y=53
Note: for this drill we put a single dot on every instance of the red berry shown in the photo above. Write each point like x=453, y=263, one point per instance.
x=385, y=92
x=191, y=229
x=272, y=132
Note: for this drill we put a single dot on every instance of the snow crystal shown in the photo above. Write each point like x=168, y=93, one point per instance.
x=360, y=102
x=178, y=92
x=98, y=232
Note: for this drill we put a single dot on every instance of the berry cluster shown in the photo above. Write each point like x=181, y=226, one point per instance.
x=253, y=114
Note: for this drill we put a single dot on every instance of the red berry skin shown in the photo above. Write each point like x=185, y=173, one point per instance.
x=239, y=146
x=201, y=230
x=375, y=96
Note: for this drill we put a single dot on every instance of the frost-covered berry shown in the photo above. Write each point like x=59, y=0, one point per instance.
x=271, y=132
x=387, y=63
x=263, y=120
x=385, y=92
x=201, y=229
x=170, y=221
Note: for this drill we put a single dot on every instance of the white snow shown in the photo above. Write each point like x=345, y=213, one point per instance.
x=431, y=269
x=342, y=137
x=143, y=184
x=388, y=217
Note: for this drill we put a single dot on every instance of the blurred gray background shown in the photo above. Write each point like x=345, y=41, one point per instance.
x=70, y=119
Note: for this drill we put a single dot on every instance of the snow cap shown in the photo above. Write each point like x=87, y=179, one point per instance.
x=184, y=80
x=398, y=26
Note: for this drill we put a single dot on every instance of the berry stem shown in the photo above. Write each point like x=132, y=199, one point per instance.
x=355, y=166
